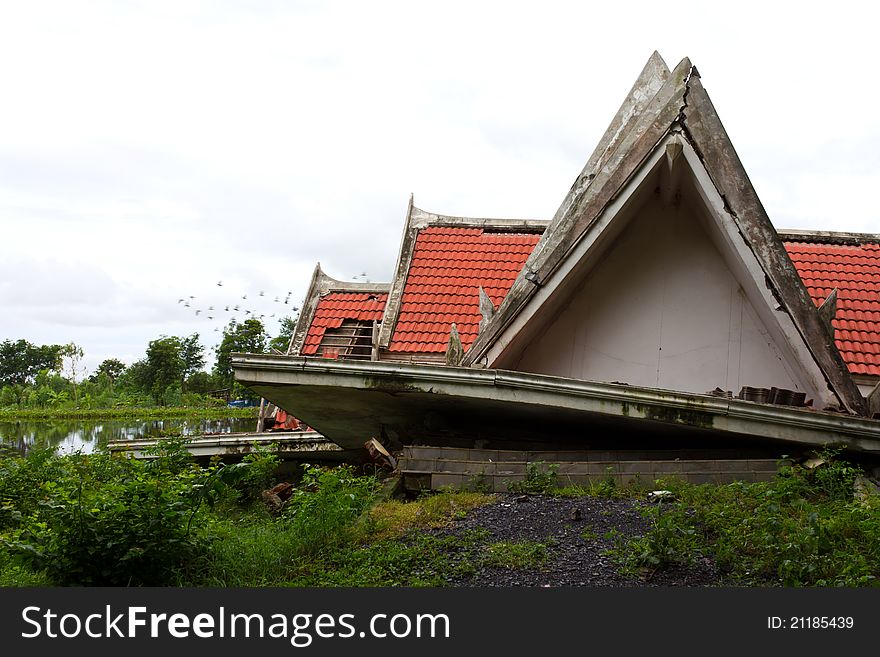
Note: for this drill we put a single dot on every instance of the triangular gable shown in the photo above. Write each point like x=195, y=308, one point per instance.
x=367, y=301
x=676, y=133
x=440, y=285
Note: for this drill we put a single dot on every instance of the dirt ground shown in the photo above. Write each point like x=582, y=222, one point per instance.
x=578, y=532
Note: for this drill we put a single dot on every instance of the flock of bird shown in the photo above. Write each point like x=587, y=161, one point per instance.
x=249, y=306
x=262, y=306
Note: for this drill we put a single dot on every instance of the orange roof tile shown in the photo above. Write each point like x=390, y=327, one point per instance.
x=449, y=264
x=855, y=271
x=335, y=307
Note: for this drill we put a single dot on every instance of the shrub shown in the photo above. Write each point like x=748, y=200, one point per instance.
x=538, y=479
x=94, y=519
x=802, y=529
x=325, y=504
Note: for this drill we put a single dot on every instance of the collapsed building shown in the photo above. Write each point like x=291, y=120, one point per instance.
x=658, y=325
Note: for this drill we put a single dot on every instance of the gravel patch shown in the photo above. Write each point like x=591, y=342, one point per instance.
x=577, y=533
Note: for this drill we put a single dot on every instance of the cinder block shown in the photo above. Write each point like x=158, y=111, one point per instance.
x=421, y=452
x=483, y=455
x=700, y=477
x=500, y=482
x=666, y=467
x=635, y=467
x=700, y=466
x=416, y=482
x=457, y=467
x=603, y=468
x=443, y=479
x=573, y=467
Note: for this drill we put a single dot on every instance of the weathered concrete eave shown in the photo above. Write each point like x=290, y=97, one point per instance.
x=350, y=402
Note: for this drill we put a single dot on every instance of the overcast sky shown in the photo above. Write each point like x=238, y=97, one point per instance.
x=150, y=150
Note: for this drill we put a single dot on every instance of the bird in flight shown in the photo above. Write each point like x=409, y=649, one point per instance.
x=198, y=311
x=219, y=283
x=181, y=300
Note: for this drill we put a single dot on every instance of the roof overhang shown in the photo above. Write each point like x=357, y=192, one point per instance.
x=350, y=402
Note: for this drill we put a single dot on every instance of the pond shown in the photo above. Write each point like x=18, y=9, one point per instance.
x=88, y=435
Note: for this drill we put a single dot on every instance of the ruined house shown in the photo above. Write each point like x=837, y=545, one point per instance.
x=657, y=325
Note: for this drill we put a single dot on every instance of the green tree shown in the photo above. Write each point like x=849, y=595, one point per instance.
x=164, y=366
x=71, y=358
x=21, y=361
x=136, y=377
x=247, y=337
x=281, y=341
x=192, y=352
x=110, y=369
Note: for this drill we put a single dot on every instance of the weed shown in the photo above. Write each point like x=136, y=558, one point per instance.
x=589, y=533
x=478, y=483
x=515, y=555
x=540, y=478
x=394, y=518
x=802, y=529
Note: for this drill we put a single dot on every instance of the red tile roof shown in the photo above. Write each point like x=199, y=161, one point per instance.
x=855, y=271
x=449, y=264
x=335, y=307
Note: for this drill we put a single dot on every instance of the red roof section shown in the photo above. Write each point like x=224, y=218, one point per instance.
x=449, y=264
x=855, y=271
x=335, y=307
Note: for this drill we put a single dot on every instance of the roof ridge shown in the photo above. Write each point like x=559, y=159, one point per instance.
x=827, y=236
x=424, y=219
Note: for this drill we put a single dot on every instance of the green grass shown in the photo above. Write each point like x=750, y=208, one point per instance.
x=395, y=518
x=804, y=528
x=86, y=519
x=515, y=555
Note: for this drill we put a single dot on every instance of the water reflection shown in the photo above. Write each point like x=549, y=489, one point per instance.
x=89, y=435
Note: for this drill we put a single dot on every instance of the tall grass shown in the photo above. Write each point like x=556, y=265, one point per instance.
x=805, y=528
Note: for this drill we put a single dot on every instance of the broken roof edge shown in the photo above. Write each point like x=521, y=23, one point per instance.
x=320, y=285
x=702, y=127
x=587, y=199
x=652, y=78
x=827, y=237
x=790, y=424
x=416, y=220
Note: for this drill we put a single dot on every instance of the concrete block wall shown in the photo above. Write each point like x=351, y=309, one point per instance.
x=432, y=468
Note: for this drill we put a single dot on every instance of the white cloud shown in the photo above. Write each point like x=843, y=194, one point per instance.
x=152, y=148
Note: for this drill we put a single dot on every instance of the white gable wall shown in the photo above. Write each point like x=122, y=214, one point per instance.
x=662, y=309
